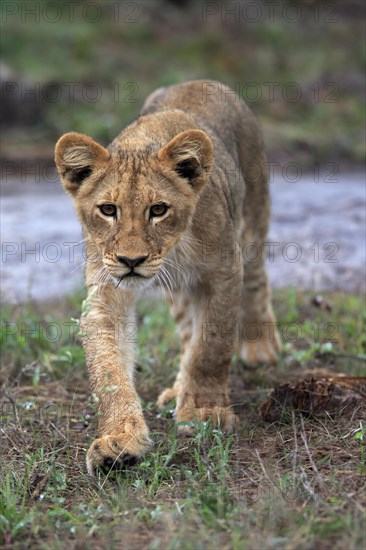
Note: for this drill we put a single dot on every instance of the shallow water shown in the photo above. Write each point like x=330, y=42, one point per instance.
x=316, y=239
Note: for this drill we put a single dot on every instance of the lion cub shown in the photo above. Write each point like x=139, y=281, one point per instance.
x=177, y=200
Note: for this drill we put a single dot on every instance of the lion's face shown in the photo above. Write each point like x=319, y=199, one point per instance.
x=134, y=220
x=134, y=206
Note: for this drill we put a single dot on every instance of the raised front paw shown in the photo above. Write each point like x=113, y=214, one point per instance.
x=117, y=452
x=220, y=417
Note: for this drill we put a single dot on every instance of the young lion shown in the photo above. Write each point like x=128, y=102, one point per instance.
x=173, y=201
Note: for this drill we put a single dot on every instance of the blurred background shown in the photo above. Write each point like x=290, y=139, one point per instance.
x=88, y=66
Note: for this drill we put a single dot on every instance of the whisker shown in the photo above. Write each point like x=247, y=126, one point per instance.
x=158, y=278
x=170, y=262
x=82, y=264
x=165, y=281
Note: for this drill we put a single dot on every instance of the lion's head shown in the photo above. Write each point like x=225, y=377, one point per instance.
x=134, y=203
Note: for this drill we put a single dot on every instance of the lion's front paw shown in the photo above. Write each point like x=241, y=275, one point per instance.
x=116, y=452
x=220, y=417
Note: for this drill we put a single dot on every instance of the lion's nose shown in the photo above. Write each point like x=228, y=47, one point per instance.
x=131, y=262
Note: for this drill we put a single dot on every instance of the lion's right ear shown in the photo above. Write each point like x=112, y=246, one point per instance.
x=77, y=158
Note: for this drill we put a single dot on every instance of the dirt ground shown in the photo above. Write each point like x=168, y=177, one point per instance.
x=294, y=483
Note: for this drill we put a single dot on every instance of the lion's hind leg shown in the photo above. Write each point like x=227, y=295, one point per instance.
x=259, y=337
x=180, y=308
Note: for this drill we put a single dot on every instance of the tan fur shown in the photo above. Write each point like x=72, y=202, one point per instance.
x=202, y=155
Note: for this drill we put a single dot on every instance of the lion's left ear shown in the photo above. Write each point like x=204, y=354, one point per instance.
x=190, y=155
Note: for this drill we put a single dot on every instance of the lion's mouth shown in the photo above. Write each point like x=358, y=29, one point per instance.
x=131, y=274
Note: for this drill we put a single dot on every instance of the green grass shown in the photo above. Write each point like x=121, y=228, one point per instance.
x=297, y=484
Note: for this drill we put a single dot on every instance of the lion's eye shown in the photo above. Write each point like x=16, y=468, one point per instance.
x=158, y=210
x=108, y=209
